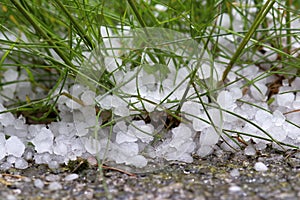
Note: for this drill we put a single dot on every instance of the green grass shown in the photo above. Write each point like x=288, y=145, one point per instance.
x=60, y=32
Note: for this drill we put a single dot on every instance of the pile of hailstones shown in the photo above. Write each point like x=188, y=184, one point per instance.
x=133, y=141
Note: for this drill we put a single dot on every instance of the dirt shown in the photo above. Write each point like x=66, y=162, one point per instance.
x=223, y=176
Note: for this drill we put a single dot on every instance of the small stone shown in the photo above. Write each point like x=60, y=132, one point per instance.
x=55, y=186
x=52, y=177
x=92, y=161
x=71, y=177
x=234, y=173
x=38, y=183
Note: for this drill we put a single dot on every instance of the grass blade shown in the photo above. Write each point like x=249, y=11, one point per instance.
x=260, y=17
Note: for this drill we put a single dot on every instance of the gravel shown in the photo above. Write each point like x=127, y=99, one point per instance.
x=223, y=176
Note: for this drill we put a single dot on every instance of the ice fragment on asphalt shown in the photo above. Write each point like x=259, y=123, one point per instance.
x=11, y=159
x=250, y=150
x=146, y=79
x=270, y=54
x=236, y=93
x=5, y=166
x=258, y=92
x=235, y=189
x=64, y=128
x=61, y=145
x=127, y=153
x=77, y=90
x=277, y=132
x=121, y=110
x=260, y=145
x=8, y=90
x=264, y=119
x=295, y=85
x=278, y=118
x=141, y=130
x=180, y=135
x=137, y=161
x=229, y=144
x=296, y=103
x=122, y=137
x=10, y=75
x=20, y=163
x=192, y=109
x=14, y=146
x=42, y=158
x=285, y=99
x=204, y=150
x=81, y=129
x=73, y=104
x=6, y=119
x=89, y=115
x=106, y=102
x=225, y=100
x=180, y=146
x=209, y=137
x=88, y=97
x=43, y=141
x=120, y=126
x=201, y=122
x=204, y=71
x=260, y=167
x=2, y=146
x=91, y=145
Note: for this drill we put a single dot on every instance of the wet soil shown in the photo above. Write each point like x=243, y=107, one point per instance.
x=224, y=176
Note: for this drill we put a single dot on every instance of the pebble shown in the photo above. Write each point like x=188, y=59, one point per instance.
x=55, y=186
x=38, y=183
x=234, y=173
x=71, y=177
x=11, y=197
x=92, y=161
x=52, y=177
